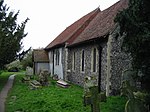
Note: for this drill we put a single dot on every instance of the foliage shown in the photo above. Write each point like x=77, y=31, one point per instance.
x=54, y=99
x=133, y=104
x=0, y=72
x=21, y=65
x=134, y=23
x=136, y=100
x=27, y=60
x=14, y=64
x=11, y=35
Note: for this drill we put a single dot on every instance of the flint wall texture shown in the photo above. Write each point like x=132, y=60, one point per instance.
x=77, y=76
x=119, y=61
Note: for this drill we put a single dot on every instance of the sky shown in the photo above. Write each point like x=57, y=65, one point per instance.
x=48, y=18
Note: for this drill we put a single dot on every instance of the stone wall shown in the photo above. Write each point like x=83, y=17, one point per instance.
x=103, y=66
x=119, y=61
x=113, y=62
x=77, y=76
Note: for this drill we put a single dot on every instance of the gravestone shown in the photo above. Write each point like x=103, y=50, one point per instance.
x=91, y=94
x=28, y=74
x=43, y=77
x=62, y=83
x=35, y=84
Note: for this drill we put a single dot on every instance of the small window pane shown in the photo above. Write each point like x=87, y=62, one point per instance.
x=94, y=60
x=82, y=66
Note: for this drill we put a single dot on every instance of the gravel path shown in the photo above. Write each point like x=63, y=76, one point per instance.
x=4, y=92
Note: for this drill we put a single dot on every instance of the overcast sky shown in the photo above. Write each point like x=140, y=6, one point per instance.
x=48, y=18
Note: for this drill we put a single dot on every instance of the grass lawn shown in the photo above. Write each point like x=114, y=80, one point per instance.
x=54, y=99
x=4, y=77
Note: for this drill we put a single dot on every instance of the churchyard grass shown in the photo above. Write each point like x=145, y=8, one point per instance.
x=54, y=99
x=4, y=77
x=114, y=104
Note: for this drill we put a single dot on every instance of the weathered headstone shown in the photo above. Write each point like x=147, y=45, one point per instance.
x=43, y=77
x=35, y=84
x=28, y=74
x=91, y=94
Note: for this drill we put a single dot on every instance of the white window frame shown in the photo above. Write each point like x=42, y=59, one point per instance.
x=94, y=64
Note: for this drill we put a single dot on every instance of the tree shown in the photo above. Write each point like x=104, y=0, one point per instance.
x=11, y=35
x=134, y=24
x=27, y=60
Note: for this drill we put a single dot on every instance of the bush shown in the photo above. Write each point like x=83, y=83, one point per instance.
x=27, y=60
x=0, y=72
x=14, y=66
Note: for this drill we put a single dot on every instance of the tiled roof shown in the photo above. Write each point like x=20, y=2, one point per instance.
x=102, y=24
x=71, y=32
x=40, y=55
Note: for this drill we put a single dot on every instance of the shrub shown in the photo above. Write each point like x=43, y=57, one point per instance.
x=14, y=66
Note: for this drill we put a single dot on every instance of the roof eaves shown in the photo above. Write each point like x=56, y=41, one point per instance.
x=56, y=46
x=97, y=39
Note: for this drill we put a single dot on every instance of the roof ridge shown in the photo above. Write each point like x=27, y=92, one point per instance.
x=83, y=26
x=102, y=24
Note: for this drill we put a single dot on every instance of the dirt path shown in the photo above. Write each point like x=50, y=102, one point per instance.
x=4, y=92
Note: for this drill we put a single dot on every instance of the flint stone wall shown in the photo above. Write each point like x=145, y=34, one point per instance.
x=119, y=60
x=77, y=76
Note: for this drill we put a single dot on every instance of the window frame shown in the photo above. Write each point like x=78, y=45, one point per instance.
x=57, y=57
x=94, y=60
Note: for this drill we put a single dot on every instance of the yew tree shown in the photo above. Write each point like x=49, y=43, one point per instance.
x=134, y=23
x=11, y=35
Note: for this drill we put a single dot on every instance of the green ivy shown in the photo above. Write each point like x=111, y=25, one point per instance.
x=134, y=23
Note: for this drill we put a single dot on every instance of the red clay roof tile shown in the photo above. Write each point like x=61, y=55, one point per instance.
x=71, y=32
x=95, y=24
x=102, y=24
